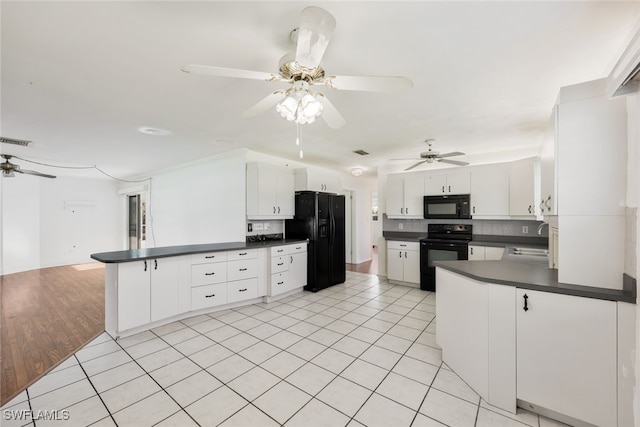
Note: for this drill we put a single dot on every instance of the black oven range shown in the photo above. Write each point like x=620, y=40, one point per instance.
x=445, y=242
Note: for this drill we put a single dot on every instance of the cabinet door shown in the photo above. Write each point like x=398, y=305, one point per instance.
x=395, y=196
x=476, y=253
x=285, y=201
x=435, y=185
x=164, y=287
x=566, y=355
x=395, y=264
x=267, y=191
x=490, y=191
x=522, y=188
x=414, y=195
x=493, y=253
x=548, y=188
x=297, y=270
x=458, y=183
x=412, y=266
x=134, y=294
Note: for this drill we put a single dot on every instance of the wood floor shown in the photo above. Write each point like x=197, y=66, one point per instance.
x=46, y=315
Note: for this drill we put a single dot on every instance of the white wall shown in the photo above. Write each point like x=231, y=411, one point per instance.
x=201, y=202
x=37, y=230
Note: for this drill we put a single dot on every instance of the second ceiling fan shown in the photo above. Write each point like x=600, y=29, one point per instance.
x=431, y=156
x=299, y=103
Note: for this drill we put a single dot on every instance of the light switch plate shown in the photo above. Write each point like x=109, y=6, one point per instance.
x=249, y=227
x=257, y=226
x=400, y=226
x=266, y=225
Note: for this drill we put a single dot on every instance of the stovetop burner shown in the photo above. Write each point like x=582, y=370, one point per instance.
x=264, y=237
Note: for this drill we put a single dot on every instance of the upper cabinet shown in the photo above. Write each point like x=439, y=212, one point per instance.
x=523, y=197
x=405, y=193
x=270, y=192
x=447, y=183
x=311, y=179
x=490, y=191
x=583, y=156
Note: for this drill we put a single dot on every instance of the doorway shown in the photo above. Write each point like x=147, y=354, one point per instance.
x=348, y=228
x=137, y=222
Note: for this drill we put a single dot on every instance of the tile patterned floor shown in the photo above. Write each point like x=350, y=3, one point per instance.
x=362, y=353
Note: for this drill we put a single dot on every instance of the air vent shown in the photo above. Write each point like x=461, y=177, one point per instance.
x=22, y=142
x=361, y=152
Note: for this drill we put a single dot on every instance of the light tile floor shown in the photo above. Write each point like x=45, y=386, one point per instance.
x=362, y=353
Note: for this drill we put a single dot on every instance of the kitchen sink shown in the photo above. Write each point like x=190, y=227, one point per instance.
x=535, y=252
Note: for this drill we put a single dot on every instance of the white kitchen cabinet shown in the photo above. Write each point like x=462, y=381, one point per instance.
x=485, y=253
x=566, y=355
x=165, y=284
x=490, y=191
x=403, y=261
x=270, y=192
x=582, y=153
x=523, y=197
x=288, y=269
x=405, y=195
x=437, y=184
x=133, y=294
x=312, y=179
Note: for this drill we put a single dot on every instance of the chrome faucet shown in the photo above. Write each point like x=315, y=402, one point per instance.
x=540, y=227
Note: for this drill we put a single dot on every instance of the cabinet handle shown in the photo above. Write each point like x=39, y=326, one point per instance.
x=474, y=209
x=274, y=209
x=210, y=256
x=291, y=260
x=406, y=210
x=242, y=290
x=400, y=254
x=280, y=250
x=155, y=267
x=405, y=254
x=526, y=306
x=210, y=296
x=298, y=247
x=546, y=203
x=471, y=249
x=443, y=188
x=529, y=209
x=242, y=253
x=541, y=207
x=280, y=283
x=401, y=210
x=403, y=246
x=145, y=266
x=243, y=269
x=449, y=189
x=209, y=274
x=280, y=263
x=278, y=209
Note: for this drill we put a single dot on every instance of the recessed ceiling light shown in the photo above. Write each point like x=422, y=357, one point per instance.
x=356, y=171
x=153, y=131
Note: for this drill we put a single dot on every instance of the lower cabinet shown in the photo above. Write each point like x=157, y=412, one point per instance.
x=403, y=261
x=208, y=296
x=288, y=268
x=485, y=253
x=566, y=355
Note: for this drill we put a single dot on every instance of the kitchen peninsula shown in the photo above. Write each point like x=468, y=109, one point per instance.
x=146, y=288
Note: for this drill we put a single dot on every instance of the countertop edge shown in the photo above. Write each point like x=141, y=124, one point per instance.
x=116, y=257
x=558, y=288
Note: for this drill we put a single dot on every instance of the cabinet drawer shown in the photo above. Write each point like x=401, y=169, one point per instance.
x=279, y=250
x=242, y=290
x=242, y=254
x=205, y=274
x=208, y=296
x=242, y=269
x=301, y=247
x=280, y=283
x=405, y=246
x=208, y=257
x=279, y=264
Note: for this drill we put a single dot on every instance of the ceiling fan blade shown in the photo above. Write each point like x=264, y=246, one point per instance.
x=455, y=153
x=416, y=165
x=264, y=104
x=207, y=70
x=28, y=172
x=316, y=29
x=369, y=83
x=330, y=114
x=453, y=162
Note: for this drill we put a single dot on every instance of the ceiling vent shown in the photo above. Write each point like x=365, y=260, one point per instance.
x=361, y=152
x=22, y=142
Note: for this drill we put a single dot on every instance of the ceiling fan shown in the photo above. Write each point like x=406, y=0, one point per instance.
x=9, y=168
x=302, y=70
x=431, y=156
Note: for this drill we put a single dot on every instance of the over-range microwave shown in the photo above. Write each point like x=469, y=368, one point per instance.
x=447, y=207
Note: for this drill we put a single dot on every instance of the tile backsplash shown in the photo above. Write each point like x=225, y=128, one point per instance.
x=490, y=227
x=264, y=227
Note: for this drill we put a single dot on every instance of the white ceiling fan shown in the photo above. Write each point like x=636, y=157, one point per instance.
x=431, y=156
x=302, y=69
x=9, y=168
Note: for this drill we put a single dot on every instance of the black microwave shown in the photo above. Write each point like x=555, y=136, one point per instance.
x=447, y=207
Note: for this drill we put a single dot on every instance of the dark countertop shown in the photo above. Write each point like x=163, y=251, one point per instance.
x=534, y=276
x=404, y=236
x=169, y=251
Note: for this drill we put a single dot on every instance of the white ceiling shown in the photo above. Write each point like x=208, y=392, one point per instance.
x=79, y=78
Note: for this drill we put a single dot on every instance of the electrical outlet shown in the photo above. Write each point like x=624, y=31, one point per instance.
x=525, y=229
x=400, y=226
x=266, y=225
x=249, y=227
x=258, y=226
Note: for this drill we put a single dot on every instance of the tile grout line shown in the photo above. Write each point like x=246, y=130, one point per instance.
x=98, y=394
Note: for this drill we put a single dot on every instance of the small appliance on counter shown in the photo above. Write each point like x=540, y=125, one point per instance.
x=264, y=237
x=320, y=217
x=445, y=242
x=447, y=207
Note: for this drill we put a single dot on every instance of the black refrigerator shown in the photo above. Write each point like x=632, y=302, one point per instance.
x=319, y=217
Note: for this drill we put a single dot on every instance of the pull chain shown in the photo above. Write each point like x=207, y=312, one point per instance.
x=298, y=143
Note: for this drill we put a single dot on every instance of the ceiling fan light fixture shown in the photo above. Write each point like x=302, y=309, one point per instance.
x=300, y=106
